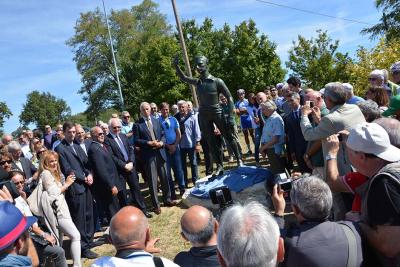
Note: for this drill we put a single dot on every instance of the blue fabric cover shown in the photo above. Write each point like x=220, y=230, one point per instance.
x=236, y=180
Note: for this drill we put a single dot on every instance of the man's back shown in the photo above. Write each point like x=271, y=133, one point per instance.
x=320, y=244
x=198, y=257
x=136, y=259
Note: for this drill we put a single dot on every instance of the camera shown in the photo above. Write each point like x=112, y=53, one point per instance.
x=312, y=104
x=282, y=180
x=221, y=196
x=11, y=188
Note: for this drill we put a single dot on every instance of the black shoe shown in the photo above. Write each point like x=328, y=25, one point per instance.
x=147, y=214
x=96, y=243
x=219, y=171
x=88, y=254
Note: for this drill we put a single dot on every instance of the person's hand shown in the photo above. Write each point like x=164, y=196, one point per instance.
x=129, y=166
x=171, y=149
x=256, y=120
x=6, y=195
x=114, y=191
x=217, y=132
x=344, y=134
x=160, y=144
x=278, y=200
x=316, y=114
x=89, y=179
x=70, y=180
x=50, y=239
x=332, y=145
x=150, y=246
x=308, y=161
x=197, y=148
x=306, y=110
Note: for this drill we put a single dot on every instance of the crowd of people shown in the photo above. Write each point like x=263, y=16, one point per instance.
x=73, y=180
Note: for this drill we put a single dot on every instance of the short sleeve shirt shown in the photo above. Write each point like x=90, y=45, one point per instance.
x=242, y=105
x=169, y=126
x=274, y=126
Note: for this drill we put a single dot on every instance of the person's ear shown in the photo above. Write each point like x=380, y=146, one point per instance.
x=281, y=250
x=184, y=237
x=295, y=209
x=148, y=236
x=216, y=226
x=221, y=259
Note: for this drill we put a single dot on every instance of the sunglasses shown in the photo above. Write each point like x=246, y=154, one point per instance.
x=5, y=161
x=127, y=117
x=100, y=134
x=372, y=79
x=20, y=182
x=116, y=127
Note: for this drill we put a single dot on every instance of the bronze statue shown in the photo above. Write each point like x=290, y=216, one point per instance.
x=208, y=89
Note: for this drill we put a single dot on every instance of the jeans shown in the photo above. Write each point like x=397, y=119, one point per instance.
x=174, y=163
x=258, y=133
x=193, y=163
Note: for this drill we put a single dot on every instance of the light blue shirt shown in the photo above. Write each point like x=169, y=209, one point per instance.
x=274, y=126
x=242, y=105
x=169, y=126
x=192, y=133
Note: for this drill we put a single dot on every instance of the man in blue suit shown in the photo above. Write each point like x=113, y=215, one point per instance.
x=79, y=197
x=297, y=144
x=147, y=133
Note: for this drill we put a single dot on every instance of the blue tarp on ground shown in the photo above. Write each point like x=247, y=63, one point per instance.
x=236, y=180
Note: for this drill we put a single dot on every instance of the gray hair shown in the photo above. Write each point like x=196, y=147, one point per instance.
x=203, y=236
x=269, y=104
x=114, y=120
x=248, y=236
x=369, y=109
x=336, y=92
x=125, y=112
x=295, y=95
x=142, y=105
x=13, y=146
x=392, y=127
x=313, y=197
x=181, y=102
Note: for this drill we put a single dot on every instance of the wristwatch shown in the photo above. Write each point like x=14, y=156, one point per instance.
x=329, y=157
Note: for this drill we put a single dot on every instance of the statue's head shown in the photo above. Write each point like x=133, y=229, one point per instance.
x=201, y=64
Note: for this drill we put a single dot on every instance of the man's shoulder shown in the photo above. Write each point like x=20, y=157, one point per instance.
x=108, y=261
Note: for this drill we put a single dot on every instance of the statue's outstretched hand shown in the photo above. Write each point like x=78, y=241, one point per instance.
x=176, y=60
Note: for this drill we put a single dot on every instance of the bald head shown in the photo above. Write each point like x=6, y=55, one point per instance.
x=261, y=97
x=198, y=226
x=129, y=228
x=315, y=97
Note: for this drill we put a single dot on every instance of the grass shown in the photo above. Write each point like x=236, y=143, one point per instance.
x=167, y=224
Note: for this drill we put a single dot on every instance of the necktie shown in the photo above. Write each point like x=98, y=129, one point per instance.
x=122, y=147
x=150, y=126
x=73, y=148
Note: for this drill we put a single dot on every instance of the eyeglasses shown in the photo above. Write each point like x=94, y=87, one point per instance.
x=100, y=134
x=19, y=182
x=116, y=127
x=5, y=161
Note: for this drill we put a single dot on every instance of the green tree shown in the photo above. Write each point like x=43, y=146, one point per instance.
x=5, y=113
x=44, y=108
x=317, y=61
x=382, y=56
x=389, y=23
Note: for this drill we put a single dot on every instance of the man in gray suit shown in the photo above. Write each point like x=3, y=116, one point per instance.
x=342, y=116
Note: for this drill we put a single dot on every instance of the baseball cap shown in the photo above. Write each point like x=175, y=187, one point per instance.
x=371, y=138
x=12, y=224
x=393, y=106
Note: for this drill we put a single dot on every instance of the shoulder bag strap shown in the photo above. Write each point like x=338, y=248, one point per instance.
x=351, y=239
x=158, y=262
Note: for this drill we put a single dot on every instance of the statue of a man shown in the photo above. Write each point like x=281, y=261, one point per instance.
x=208, y=89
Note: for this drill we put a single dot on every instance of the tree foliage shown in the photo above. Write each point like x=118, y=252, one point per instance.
x=382, y=56
x=5, y=113
x=389, y=23
x=145, y=46
x=317, y=61
x=44, y=108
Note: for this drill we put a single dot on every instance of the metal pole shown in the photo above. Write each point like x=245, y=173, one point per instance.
x=114, y=59
x=185, y=55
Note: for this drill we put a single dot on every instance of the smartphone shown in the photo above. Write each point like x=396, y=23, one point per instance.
x=340, y=137
x=11, y=188
x=311, y=104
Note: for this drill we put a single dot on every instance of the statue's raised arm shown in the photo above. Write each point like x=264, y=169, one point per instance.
x=182, y=75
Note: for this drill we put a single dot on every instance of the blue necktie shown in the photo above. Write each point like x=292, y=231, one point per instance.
x=122, y=147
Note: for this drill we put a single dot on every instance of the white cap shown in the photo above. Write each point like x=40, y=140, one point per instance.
x=348, y=87
x=371, y=138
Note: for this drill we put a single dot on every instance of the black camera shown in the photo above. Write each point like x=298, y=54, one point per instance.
x=312, y=104
x=221, y=196
x=282, y=180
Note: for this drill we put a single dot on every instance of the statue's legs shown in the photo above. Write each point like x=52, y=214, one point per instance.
x=206, y=121
x=229, y=136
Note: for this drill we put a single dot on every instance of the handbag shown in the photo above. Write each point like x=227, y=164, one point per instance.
x=34, y=200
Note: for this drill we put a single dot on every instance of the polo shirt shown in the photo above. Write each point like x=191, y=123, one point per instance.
x=169, y=126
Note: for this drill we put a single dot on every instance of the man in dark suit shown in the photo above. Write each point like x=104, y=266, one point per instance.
x=297, y=144
x=79, y=197
x=124, y=158
x=147, y=135
x=24, y=165
x=80, y=138
x=106, y=183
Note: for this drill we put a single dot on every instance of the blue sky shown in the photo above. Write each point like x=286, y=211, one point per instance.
x=33, y=54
